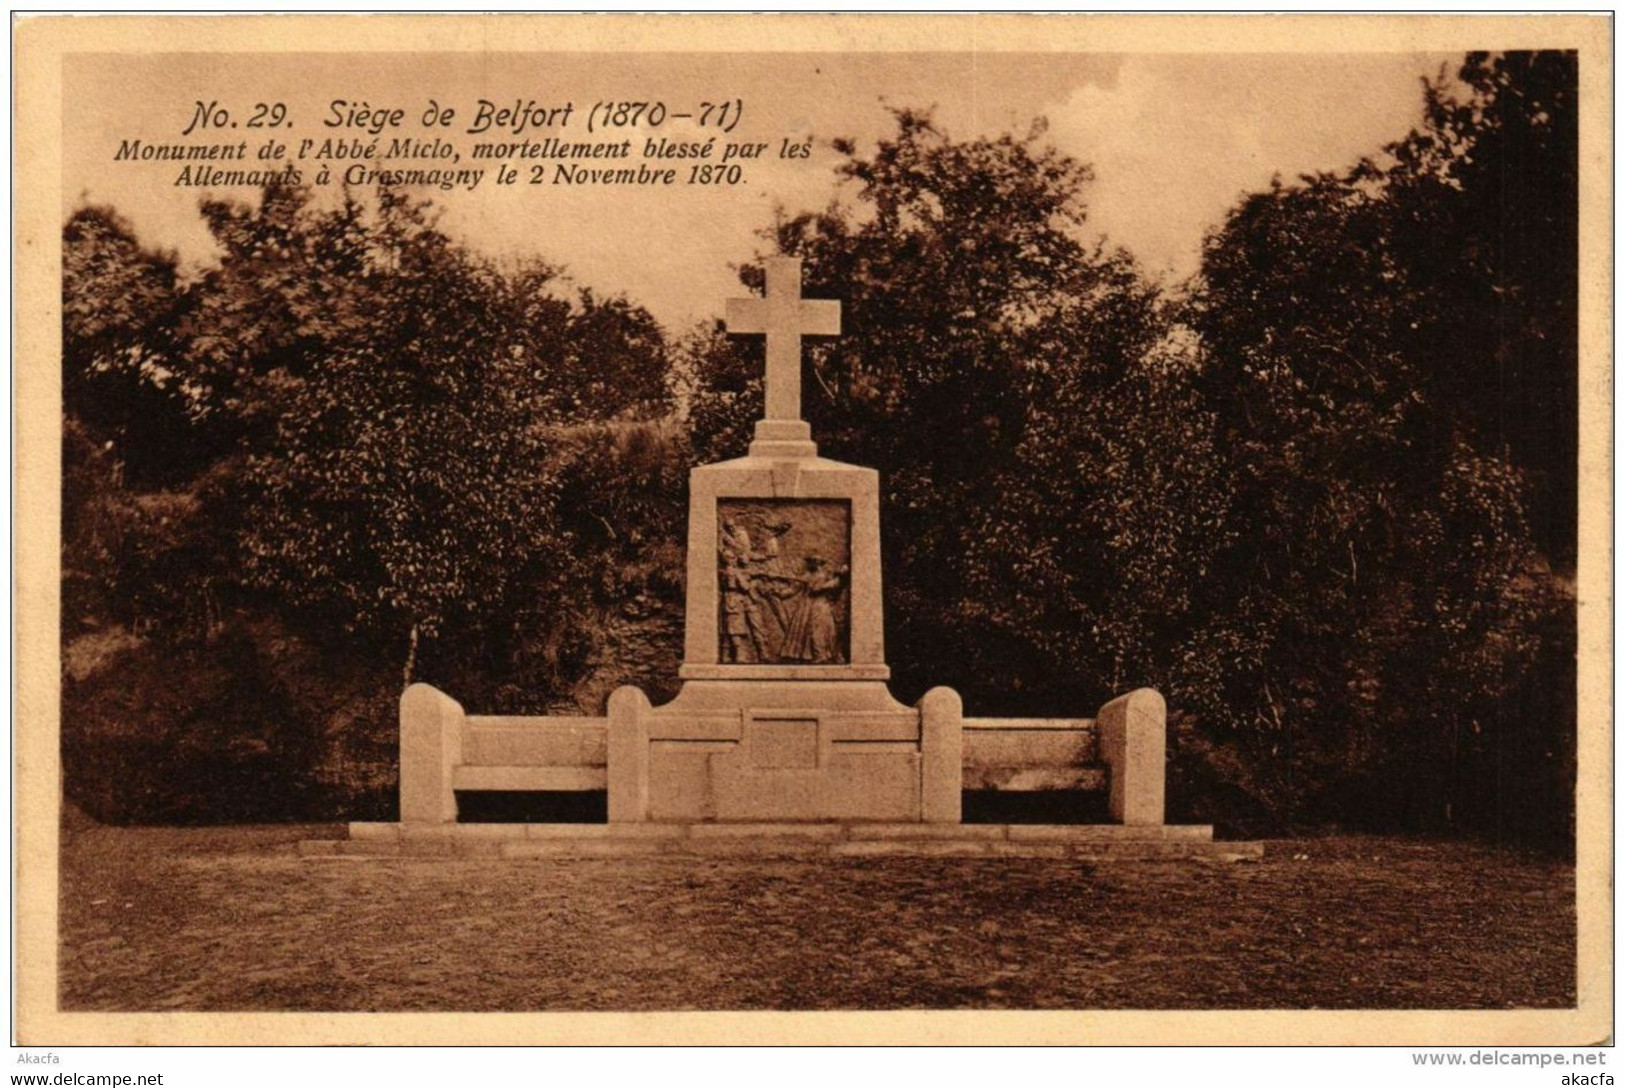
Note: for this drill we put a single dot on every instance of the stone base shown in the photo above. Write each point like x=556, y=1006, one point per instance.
x=763, y=750
x=1085, y=841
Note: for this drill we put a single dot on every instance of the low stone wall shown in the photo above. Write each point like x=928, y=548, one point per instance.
x=1031, y=754
x=1134, y=747
x=667, y=769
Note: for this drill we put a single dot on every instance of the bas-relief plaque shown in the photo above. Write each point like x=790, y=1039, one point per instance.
x=783, y=572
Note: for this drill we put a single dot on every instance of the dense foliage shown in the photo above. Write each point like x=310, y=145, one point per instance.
x=980, y=336
x=352, y=450
x=1323, y=496
x=1392, y=354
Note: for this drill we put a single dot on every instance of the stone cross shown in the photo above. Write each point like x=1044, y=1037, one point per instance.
x=784, y=317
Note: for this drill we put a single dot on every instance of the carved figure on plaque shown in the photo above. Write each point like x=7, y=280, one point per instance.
x=811, y=634
x=739, y=640
x=782, y=571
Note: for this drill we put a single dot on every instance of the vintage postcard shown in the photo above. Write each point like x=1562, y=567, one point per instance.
x=1061, y=529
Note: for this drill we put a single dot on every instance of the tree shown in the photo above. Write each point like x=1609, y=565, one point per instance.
x=407, y=482
x=981, y=330
x=139, y=547
x=614, y=361
x=357, y=454
x=121, y=305
x=391, y=397
x=1485, y=200
x=1384, y=585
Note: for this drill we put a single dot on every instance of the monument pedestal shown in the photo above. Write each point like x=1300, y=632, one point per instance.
x=769, y=537
x=784, y=715
x=784, y=750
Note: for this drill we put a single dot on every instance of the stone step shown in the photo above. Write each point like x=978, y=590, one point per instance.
x=381, y=832
x=1097, y=841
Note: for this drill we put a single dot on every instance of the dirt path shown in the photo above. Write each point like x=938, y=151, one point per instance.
x=228, y=919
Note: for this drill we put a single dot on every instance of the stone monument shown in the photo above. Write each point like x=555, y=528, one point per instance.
x=784, y=712
x=784, y=728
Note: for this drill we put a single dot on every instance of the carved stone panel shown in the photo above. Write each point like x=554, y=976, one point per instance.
x=774, y=743
x=784, y=574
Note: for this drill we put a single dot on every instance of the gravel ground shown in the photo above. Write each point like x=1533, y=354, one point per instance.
x=228, y=919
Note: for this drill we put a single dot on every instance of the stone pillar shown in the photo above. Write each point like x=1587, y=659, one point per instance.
x=942, y=759
x=1133, y=731
x=431, y=746
x=628, y=756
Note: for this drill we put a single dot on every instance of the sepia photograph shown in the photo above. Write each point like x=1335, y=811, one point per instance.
x=884, y=515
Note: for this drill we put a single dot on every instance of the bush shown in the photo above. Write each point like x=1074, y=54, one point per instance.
x=207, y=732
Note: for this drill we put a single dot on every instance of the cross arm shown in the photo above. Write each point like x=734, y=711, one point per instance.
x=814, y=317
x=820, y=317
x=747, y=316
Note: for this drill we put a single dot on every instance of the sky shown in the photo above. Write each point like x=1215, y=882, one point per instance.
x=1173, y=139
